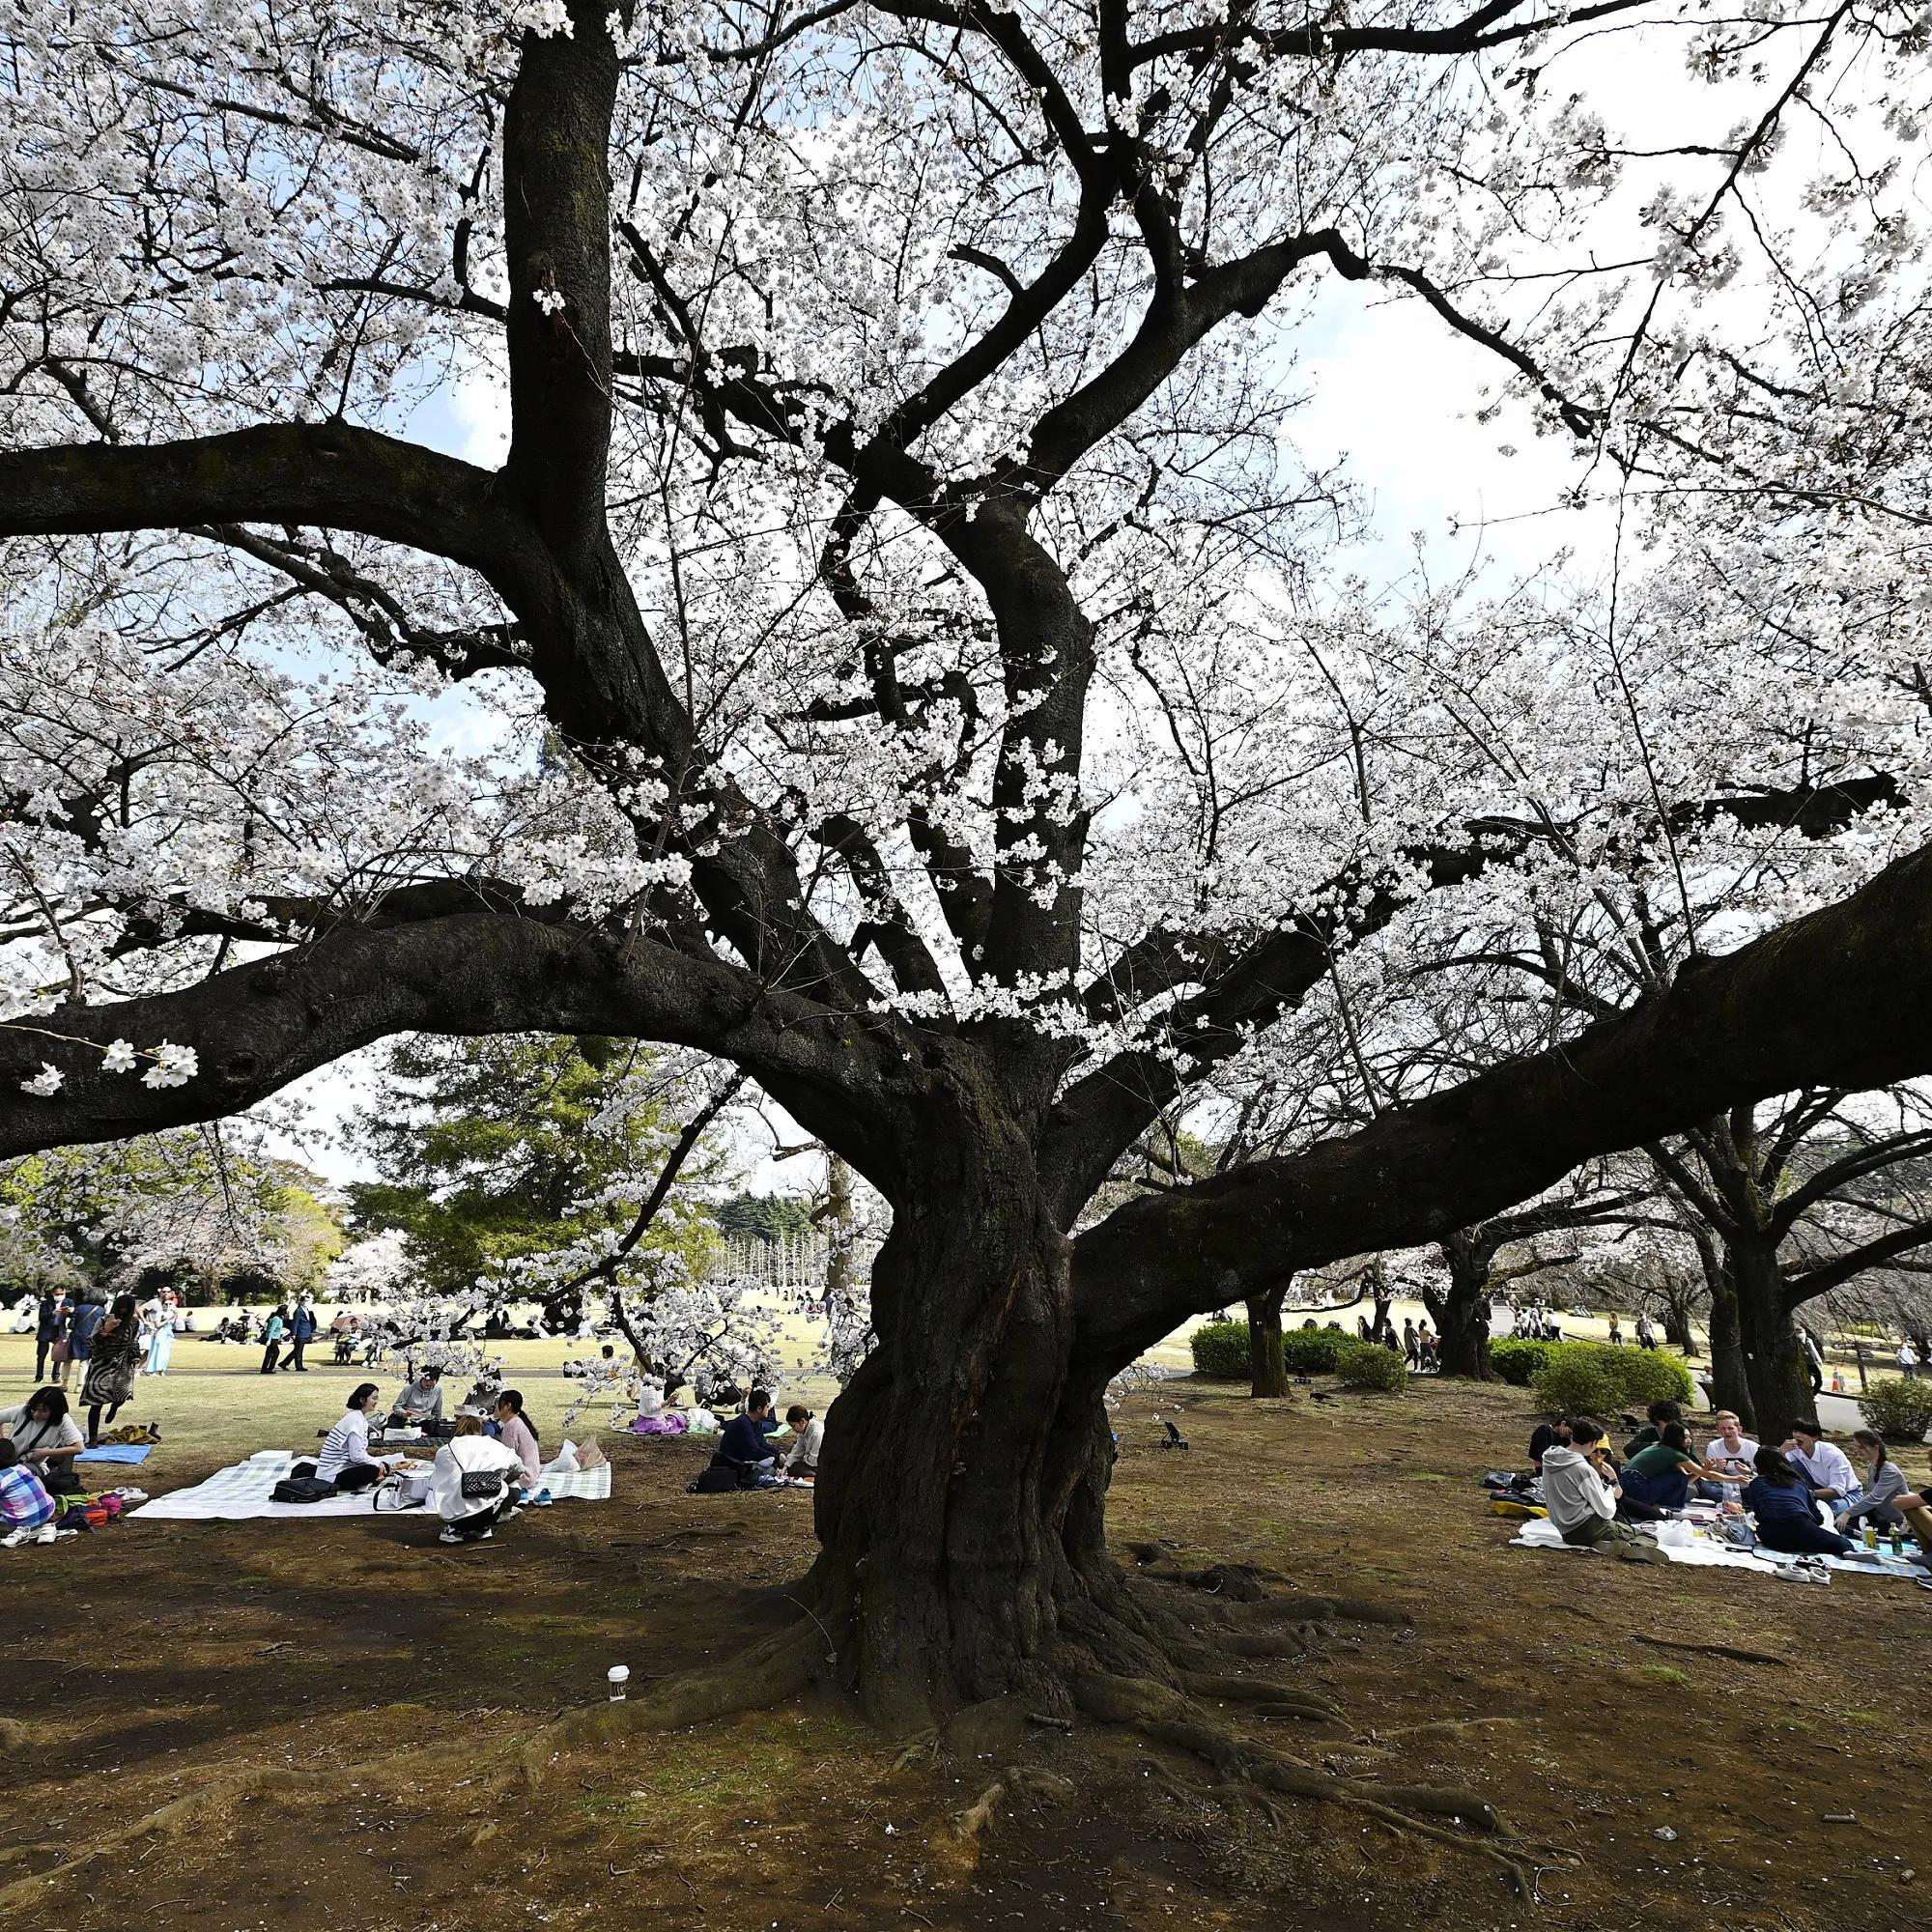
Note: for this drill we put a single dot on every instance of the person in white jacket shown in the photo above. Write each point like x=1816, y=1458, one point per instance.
x=807, y=1440
x=471, y=1453
x=1580, y=1494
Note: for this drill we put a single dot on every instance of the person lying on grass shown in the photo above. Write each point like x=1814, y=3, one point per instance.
x=1579, y=1490
x=26, y=1508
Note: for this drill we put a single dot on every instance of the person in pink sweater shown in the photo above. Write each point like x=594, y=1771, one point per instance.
x=518, y=1434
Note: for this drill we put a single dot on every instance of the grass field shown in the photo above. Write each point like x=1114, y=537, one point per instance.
x=230, y=1710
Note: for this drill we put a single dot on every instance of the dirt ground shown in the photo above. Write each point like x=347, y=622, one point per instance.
x=279, y=1675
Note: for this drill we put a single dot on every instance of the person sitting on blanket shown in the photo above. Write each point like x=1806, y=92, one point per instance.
x=808, y=1438
x=471, y=1453
x=345, y=1460
x=1660, y=1413
x=1731, y=1454
x=743, y=1445
x=1823, y=1467
x=1888, y=1502
x=1663, y=1472
x=48, y=1438
x=26, y=1509
x=1548, y=1435
x=1786, y=1516
x=1580, y=1494
x=418, y=1402
x=518, y=1434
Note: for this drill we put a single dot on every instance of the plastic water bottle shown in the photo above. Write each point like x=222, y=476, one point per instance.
x=620, y=1675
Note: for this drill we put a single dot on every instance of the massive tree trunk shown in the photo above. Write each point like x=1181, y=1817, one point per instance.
x=1463, y=1315
x=1774, y=1362
x=1267, y=1365
x=959, y=1505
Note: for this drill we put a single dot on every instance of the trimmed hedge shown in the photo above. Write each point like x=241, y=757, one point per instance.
x=1518, y=1361
x=1221, y=1351
x=1314, y=1351
x=1596, y=1378
x=1367, y=1365
x=1901, y=1412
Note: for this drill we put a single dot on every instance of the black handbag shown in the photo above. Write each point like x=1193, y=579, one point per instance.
x=479, y=1485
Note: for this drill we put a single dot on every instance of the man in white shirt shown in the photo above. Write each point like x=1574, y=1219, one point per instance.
x=1822, y=1465
x=1733, y=1452
x=1907, y=1361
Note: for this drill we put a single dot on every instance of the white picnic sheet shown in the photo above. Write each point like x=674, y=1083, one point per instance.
x=240, y=1494
x=1706, y=1553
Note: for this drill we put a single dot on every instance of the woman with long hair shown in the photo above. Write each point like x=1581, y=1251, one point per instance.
x=1787, y=1518
x=111, y=1365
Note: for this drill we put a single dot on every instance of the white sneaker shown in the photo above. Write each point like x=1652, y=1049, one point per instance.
x=449, y=1536
x=46, y=1534
x=13, y=1538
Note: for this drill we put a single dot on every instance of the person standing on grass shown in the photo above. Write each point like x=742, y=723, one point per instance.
x=112, y=1361
x=1908, y=1360
x=82, y=1325
x=50, y=1320
x=271, y=1337
x=161, y=1341
x=1814, y=1362
x=301, y=1332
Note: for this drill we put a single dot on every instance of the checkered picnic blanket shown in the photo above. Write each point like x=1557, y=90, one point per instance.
x=244, y=1492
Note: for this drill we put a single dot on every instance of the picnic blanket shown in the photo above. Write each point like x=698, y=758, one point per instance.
x=1706, y=1553
x=117, y=1452
x=242, y=1493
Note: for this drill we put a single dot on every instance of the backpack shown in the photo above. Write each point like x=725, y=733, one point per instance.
x=302, y=1490
x=720, y=1479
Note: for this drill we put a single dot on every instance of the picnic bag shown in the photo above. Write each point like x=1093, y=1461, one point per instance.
x=720, y=1479
x=302, y=1490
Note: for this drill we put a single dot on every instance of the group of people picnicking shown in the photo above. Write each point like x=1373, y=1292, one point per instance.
x=1803, y=1498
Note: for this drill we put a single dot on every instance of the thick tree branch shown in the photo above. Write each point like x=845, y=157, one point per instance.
x=1842, y=997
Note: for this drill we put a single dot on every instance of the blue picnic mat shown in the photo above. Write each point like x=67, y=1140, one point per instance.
x=117, y=1452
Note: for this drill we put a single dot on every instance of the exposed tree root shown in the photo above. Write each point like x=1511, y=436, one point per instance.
x=1728, y=1651
x=1170, y=1717
x=195, y=1809
x=768, y=1673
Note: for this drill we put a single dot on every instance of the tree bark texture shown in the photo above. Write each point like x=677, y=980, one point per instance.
x=1267, y=1366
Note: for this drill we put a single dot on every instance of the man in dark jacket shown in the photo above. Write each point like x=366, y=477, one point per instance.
x=301, y=1332
x=743, y=1444
x=50, y=1320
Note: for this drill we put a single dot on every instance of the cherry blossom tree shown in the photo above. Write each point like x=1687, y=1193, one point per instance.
x=897, y=652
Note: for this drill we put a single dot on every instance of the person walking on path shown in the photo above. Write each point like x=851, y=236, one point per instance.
x=271, y=1337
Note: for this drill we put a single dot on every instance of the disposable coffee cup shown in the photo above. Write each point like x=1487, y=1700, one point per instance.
x=620, y=1676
